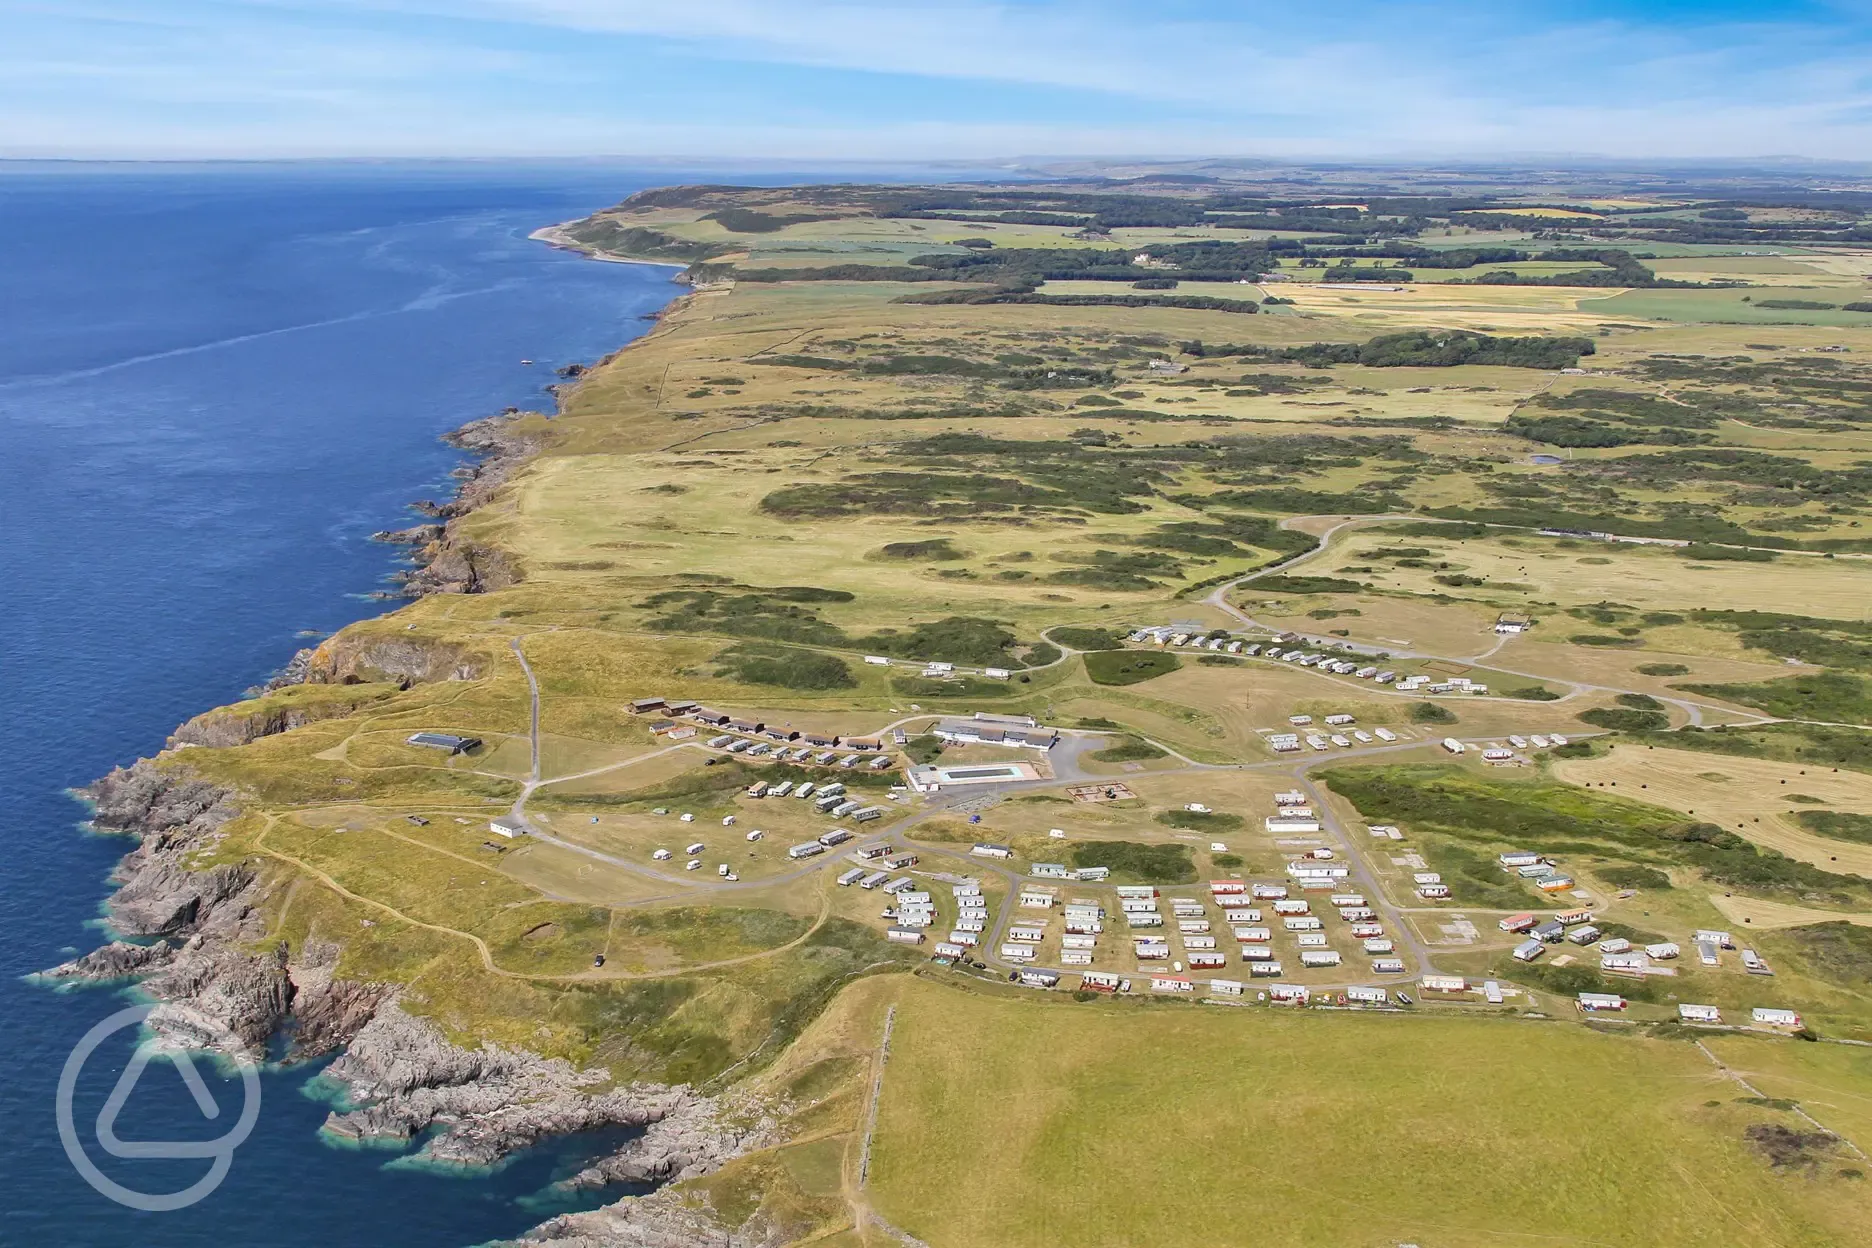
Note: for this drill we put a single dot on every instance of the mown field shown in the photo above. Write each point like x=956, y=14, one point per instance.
x=1006, y=1121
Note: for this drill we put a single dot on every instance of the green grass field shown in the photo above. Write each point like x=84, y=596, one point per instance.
x=1138, y=1124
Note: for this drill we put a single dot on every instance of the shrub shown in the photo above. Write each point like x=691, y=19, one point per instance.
x=1128, y=750
x=1532, y=693
x=785, y=667
x=1431, y=713
x=1602, y=639
x=1639, y=702
x=1620, y=720
x=1634, y=876
x=1832, y=696
x=935, y=550
x=1146, y=864
x=1087, y=638
x=1663, y=669
x=1839, y=825
x=1200, y=821
x=1128, y=667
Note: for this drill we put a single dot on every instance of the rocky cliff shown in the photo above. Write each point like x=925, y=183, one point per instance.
x=448, y=561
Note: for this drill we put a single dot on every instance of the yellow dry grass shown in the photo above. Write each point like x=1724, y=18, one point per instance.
x=1755, y=913
x=1748, y=796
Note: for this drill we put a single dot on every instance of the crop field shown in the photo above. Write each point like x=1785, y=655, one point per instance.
x=1019, y=1101
x=1745, y=795
x=1729, y=307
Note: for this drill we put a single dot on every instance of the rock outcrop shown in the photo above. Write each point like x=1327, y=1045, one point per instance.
x=407, y=1078
x=448, y=561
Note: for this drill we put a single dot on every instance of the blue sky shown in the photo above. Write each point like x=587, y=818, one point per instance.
x=862, y=79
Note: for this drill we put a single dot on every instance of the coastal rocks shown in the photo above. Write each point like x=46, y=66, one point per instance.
x=692, y=1140
x=249, y=721
x=328, y=1012
x=117, y=960
x=407, y=1078
x=663, y=1219
x=357, y=657
x=221, y=992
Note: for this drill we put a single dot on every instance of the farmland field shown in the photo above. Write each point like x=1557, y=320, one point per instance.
x=1356, y=1129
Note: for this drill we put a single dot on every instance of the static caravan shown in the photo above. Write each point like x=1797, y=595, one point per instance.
x=1225, y=987
x=1253, y=935
x=1357, y=914
x=986, y=850
x=806, y=851
x=874, y=879
x=1367, y=996
x=1595, y=1002
x=1284, y=825
x=1048, y=871
x=1570, y=917
x=1722, y=940
x=1618, y=944
x=1443, y=983
x=1629, y=963
x=1663, y=952
x=1256, y=953
x=1039, y=977
x=837, y=836
x=1555, y=884
x=1171, y=983
x=1516, y=859
x=1133, y=892
x=1222, y=889
x=1584, y=934
x=1076, y=957
x=1137, y=905
x=904, y=935
x=1381, y=944
x=1017, y=953
x=1207, y=961
x=1150, y=950
x=1295, y=906
x=1269, y=892
x=1319, y=957
x=1092, y=874
x=949, y=949
x=1699, y=1014
x=914, y=897
x=1150, y=919
x=1264, y=970
x=848, y=878
x=1347, y=899
x=1534, y=871
x=1433, y=892
x=1528, y=950
x=1387, y=966
x=1384, y=734
x=1311, y=940
x=1776, y=1018
x=1289, y=994
x=963, y=936
x=1078, y=940
x=1099, y=981
x=1026, y=935
x=971, y=923
x=1036, y=900
x=1365, y=931
x=1192, y=927
x=1302, y=923
x=1753, y=964
x=1337, y=720
x=1242, y=916
x=1452, y=745
x=1706, y=953
x=1518, y=923
x=902, y=884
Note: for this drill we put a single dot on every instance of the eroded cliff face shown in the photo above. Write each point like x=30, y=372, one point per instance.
x=365, y=656
x=196, y=938
x=242, y=722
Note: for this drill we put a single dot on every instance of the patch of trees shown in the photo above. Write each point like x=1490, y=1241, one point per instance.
x=1835, y=697
x=753, y=221
x=1136, y=862
x=1292, y=500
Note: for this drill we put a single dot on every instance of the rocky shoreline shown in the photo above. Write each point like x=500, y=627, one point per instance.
x=195, y=940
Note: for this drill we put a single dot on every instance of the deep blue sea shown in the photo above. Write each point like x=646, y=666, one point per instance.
x=215, y=383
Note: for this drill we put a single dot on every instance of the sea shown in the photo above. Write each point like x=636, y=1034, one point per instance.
x=215, y=383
